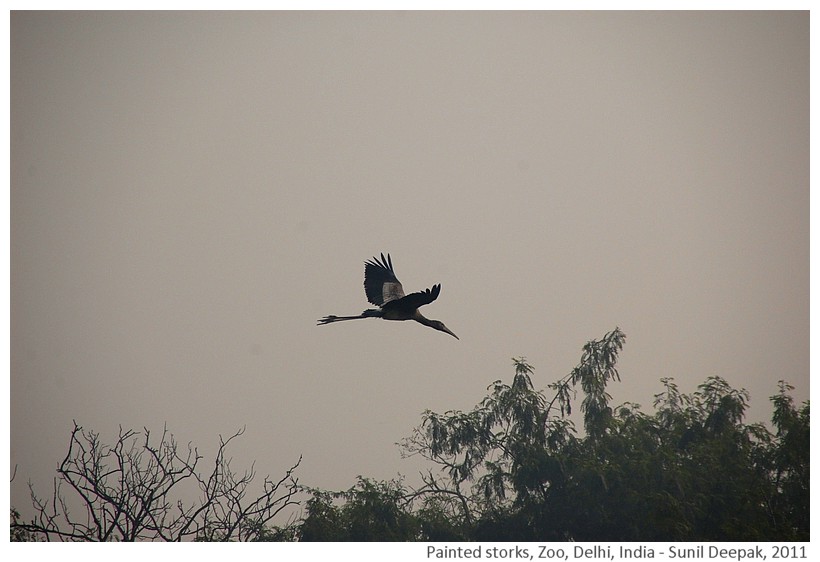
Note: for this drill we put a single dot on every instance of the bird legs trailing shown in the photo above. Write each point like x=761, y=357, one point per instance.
x=370, y=313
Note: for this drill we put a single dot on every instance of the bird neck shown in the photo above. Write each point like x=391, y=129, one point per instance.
x=420, y=318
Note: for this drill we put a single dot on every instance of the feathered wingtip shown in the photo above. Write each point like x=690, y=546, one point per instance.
x=385, y=263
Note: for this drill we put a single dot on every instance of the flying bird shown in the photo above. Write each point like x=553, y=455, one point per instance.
x=385, y=291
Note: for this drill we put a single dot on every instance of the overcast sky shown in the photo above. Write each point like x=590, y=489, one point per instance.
x=190, y=192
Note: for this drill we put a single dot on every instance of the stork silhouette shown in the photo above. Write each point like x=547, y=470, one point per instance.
x=385, y=291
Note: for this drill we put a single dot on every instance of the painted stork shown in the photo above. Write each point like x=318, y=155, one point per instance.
x=385, y=291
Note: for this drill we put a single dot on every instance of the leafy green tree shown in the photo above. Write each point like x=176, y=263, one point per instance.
x=513, y=468
x=789, y=465
x=689, y=472
x=506, y=458
x=371, y=511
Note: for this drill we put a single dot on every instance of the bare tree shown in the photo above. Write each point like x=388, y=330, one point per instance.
x=132, y=491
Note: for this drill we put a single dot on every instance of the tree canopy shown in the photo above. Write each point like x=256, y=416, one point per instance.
x=515, y=468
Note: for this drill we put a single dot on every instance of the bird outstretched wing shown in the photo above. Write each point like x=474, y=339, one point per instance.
x=380, y=283
x=415, y=300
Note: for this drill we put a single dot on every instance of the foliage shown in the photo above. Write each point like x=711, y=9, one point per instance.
x=788, y=463
x=18, y=532
x=514, y=468
x=372, y=511
x=128, y=492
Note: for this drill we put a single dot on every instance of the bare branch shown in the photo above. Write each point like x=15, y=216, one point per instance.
x=130, y=491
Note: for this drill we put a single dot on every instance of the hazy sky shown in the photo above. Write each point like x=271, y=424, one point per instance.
x=190, y=192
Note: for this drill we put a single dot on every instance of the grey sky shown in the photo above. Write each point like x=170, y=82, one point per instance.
x=190, y=192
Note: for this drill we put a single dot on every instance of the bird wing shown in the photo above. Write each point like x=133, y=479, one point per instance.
x=380, y=283
x=415, y=300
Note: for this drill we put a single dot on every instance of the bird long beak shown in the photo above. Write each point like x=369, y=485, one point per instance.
x=445, y=329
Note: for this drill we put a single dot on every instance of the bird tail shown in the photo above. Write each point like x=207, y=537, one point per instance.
x=370, y=313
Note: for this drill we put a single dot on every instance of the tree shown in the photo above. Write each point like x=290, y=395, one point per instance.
x=512, y=445
x=132, y=491
x=789, y=465
x=513, y=468
x=372, y=511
